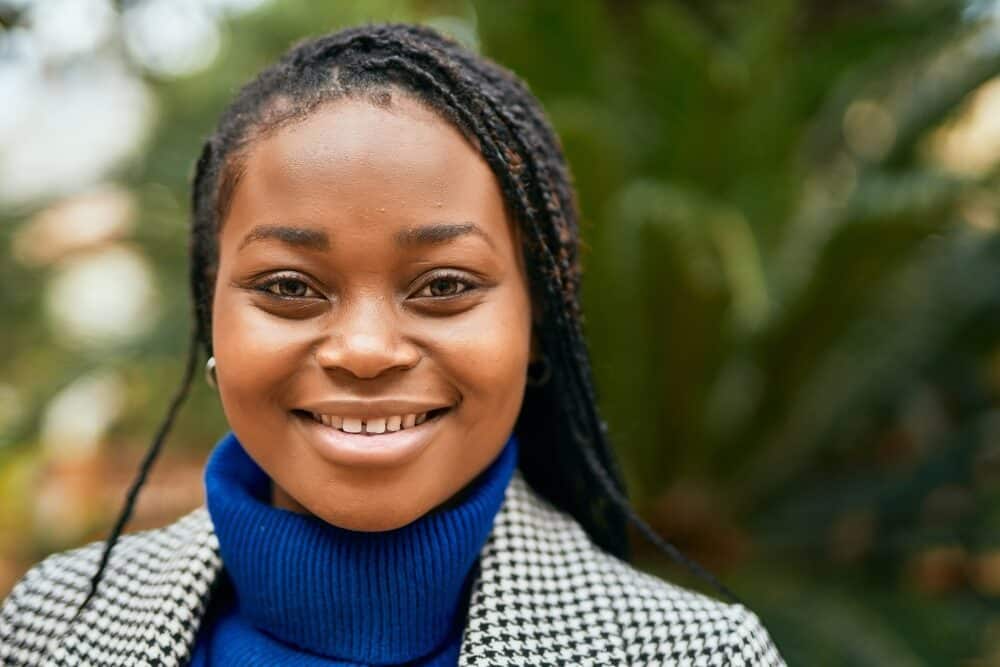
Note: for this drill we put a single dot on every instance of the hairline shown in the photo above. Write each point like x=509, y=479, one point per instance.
x=234, y=164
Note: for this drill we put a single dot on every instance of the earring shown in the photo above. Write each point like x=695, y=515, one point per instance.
x=543, y=375
x=210, y=373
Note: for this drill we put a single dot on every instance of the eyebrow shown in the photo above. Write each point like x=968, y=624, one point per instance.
x=302, y=237
x=317, y=239
x=440, y=233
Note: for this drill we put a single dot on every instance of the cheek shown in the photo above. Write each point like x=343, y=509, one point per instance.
x=485, y=353
x=256, y=354
x=488, y=353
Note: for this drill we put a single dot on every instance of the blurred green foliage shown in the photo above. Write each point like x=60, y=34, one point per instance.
x=791, y=296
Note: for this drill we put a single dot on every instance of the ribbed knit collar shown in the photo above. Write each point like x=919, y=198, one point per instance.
x=368, y=597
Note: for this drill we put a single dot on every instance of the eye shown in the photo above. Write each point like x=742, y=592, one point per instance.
x=446, y=285
x=288, y=287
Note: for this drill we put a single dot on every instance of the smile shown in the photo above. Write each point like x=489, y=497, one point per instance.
x=375, y=425
x=368, y=446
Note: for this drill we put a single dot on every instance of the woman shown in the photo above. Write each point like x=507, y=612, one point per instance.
x=386, y=283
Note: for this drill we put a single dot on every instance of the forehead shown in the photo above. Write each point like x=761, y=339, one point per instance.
x=351, y=162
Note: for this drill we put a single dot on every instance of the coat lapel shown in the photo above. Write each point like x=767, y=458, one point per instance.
x=542, y=596
x=151, y=601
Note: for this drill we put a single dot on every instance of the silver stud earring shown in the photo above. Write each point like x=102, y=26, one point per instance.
x=210, y=373
x=542, y=376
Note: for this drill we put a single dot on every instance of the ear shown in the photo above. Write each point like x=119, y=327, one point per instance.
x=536, y=325
x=534, y=297
x=536, y=312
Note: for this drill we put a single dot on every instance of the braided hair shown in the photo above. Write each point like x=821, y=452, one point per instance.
x=565, y=454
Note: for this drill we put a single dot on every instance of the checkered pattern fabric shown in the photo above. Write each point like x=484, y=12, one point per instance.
x=544, y=595
x=146, y=610
x=547, y=596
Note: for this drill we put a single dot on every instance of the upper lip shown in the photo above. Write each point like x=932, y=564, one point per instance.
x=376, y=407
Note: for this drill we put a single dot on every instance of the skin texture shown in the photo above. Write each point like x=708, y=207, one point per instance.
x=364, y=316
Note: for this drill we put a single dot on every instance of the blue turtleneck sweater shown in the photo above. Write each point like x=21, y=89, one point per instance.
x=296, y=590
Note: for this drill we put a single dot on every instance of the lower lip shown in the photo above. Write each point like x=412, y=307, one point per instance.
x=356, y=449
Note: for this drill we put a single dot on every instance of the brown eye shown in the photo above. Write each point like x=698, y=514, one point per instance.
x=445, y=286
x=288, y=288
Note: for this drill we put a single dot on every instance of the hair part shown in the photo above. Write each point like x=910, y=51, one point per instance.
x=565, y=453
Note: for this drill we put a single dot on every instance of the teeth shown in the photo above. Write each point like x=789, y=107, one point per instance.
x=373, y=425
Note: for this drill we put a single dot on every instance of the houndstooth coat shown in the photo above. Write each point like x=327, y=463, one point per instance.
x=544, y=595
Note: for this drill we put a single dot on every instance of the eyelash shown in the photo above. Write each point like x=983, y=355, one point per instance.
x=278, y=279
x=469, y=285
x=451, y=276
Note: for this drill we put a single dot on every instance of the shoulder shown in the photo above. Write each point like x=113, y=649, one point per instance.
x=541, y=561
x=160, y=562
x=657, y=615
x=42, y=602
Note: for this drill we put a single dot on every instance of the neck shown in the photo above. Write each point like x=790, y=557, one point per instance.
x=382, y=597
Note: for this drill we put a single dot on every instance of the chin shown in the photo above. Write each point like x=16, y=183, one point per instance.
x=373, y=518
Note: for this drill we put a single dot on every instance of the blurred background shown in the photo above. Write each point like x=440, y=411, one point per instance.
x=792, y=280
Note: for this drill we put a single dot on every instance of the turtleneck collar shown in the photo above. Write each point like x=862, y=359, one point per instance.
x=370, y=597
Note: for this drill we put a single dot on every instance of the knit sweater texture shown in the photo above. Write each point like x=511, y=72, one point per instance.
x=299, y=591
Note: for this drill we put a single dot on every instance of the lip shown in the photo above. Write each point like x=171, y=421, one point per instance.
x=374, y=408
x=371, y=451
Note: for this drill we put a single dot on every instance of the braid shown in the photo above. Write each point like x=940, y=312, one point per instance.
x=144, y=468
x=566, y=453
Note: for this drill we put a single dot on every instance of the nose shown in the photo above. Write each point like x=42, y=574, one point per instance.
x=365, y=340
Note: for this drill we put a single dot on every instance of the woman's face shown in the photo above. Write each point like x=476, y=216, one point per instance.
x=369, y=279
